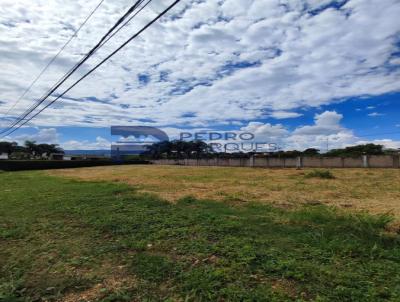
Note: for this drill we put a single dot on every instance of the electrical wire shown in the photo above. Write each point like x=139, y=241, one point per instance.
x=101, y=43
x=97, y=66
x=54, y=58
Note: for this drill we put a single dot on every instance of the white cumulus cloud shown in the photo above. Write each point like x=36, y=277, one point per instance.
x=232, y=60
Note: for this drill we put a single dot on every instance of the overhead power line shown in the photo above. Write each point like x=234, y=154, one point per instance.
x=54, y=58
x=127, y=21
x=98, y=65
x=101, y=43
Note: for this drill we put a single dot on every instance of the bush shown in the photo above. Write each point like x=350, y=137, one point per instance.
x=324, y=174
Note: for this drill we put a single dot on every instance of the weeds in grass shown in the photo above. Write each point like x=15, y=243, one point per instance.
x=187, y=200
x=120, y=296
x=323, y=174
x=153, y=267
x=10, y=290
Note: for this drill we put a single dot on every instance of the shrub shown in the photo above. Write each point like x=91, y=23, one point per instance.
x=324, y=174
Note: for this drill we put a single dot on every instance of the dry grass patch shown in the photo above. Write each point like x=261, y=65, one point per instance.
x=374, y=190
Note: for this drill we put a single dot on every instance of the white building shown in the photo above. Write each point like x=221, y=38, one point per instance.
x=3, y=156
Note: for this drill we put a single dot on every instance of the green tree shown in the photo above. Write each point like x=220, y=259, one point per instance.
x=178, y=149
x=367, y=149
x=38, y=150
x=311, y=152
x=49, y=149
x=31, y=147
x=7, y=147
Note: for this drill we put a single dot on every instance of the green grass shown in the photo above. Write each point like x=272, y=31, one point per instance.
x=61, y=237
x=323, y=174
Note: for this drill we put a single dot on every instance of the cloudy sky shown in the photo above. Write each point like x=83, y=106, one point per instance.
x=303, y=72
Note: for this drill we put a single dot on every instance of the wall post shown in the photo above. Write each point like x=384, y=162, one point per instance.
x=396, y=161
x=252, y=161
x=365, y=161
x=299, y=162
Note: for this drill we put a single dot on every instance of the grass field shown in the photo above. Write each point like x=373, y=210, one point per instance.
x=63, y=239
x=373, y=190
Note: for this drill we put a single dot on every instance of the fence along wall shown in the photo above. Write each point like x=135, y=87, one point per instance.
x=381, y=161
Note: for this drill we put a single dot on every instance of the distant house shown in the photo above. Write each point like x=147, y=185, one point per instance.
x=3, y=156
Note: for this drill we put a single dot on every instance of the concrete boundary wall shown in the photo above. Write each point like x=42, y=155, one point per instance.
x=373, y=161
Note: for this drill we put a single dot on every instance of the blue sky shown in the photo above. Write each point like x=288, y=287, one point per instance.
x=298, y=72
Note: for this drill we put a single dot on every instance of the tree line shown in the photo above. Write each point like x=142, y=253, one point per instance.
x=198, y=149
x=190, y=149
x=30, y=150
x=178, y=149
x=352, y=151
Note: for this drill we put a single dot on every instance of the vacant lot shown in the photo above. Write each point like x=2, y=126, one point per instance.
x=373, y=190
x=68, y=240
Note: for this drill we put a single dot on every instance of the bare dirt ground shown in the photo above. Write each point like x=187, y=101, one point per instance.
x=373, y=190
